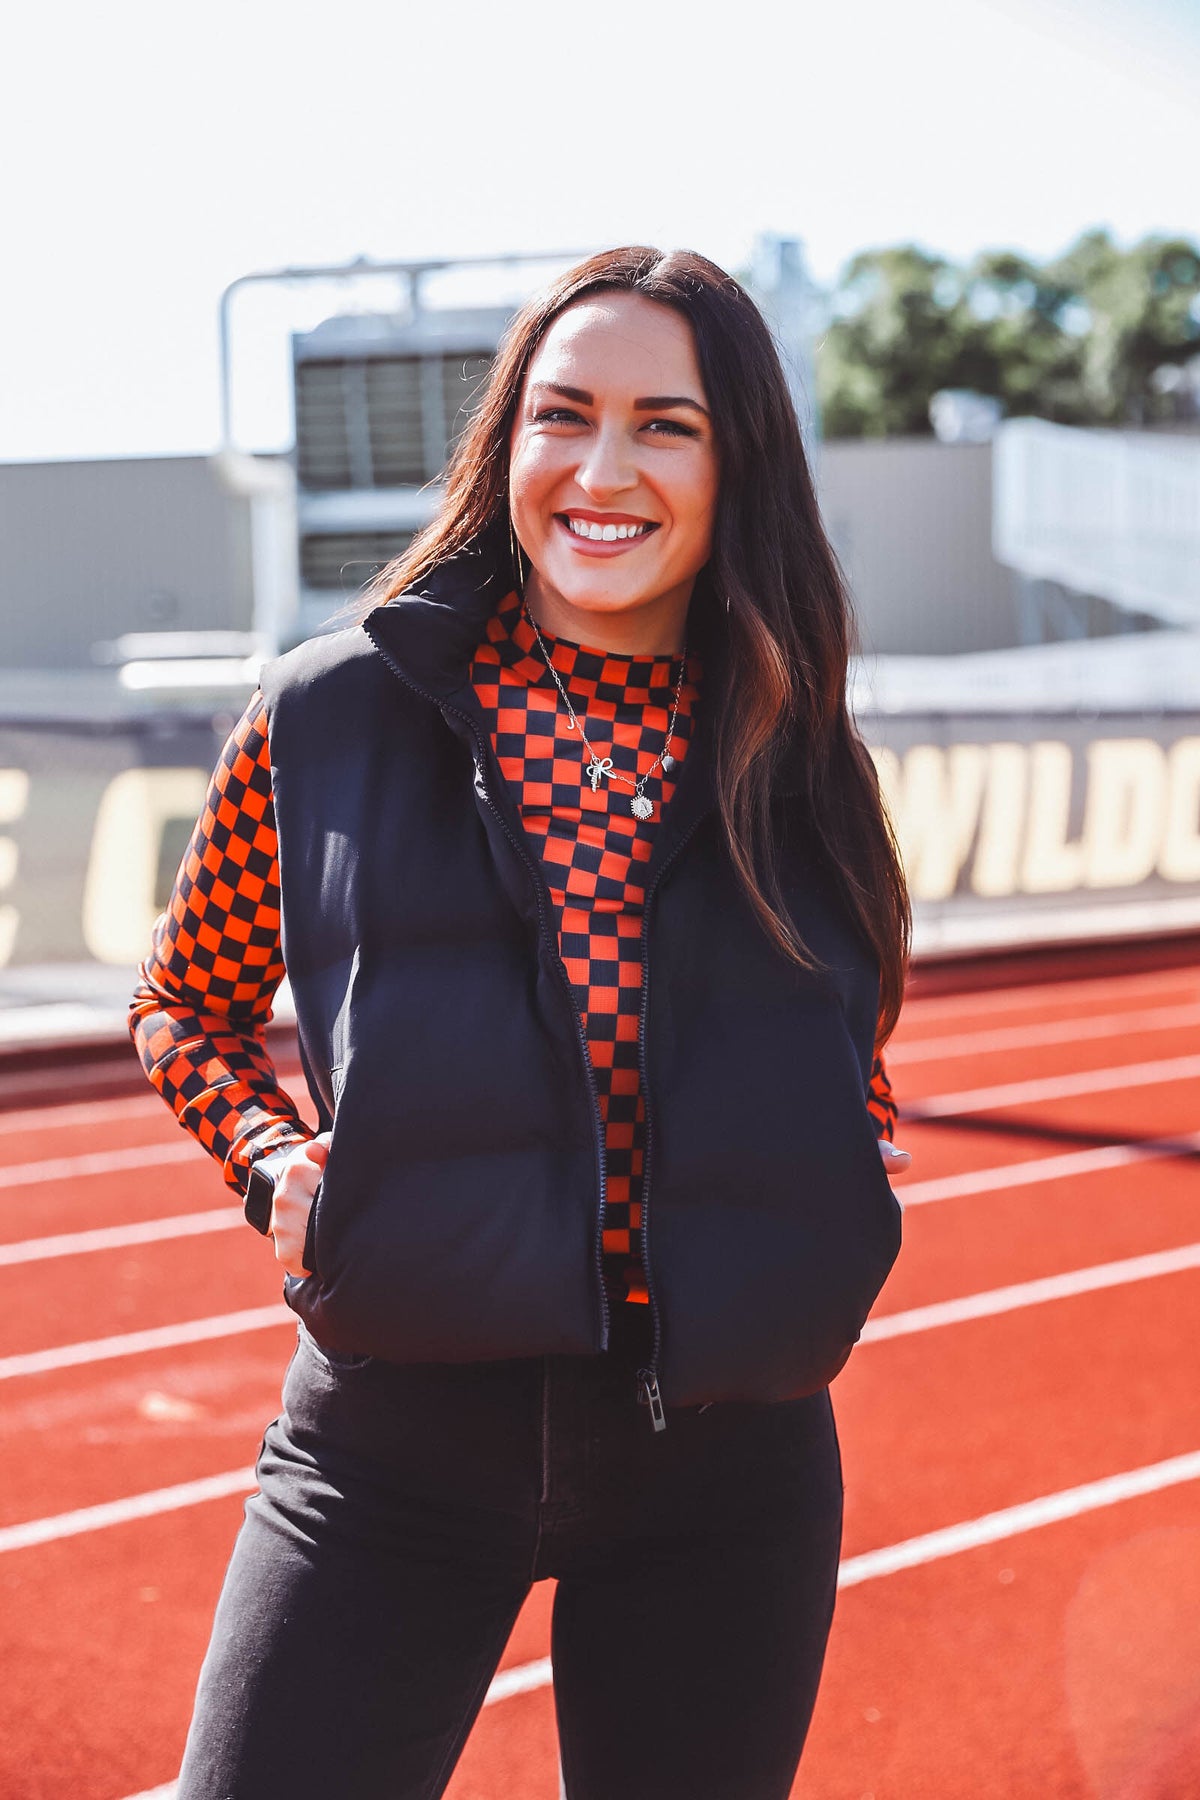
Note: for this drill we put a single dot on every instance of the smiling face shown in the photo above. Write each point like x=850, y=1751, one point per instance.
x=613, y=475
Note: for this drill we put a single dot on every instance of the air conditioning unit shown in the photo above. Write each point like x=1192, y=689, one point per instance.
x=380, y=401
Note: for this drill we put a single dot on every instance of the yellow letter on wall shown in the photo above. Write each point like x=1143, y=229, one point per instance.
x=1124, y=813
x=936, y=809
x=1052, y=865
x=14, y=792
x=997, y=866
x=118, y=897
x=1180, y=859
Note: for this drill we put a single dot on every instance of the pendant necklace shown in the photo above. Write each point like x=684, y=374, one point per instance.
x=640, y=804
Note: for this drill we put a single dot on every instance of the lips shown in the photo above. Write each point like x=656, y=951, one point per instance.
x=605, y=528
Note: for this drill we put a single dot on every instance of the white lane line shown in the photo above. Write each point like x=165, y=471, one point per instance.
x=98, y=1162
x=911, y=1193
x=1054, y=1087
x=133, y=1343
x=522, y=1678
x=83, y=1112
x=1043, y=1168
x=945, y=1312
x=1052, y=994
x=1032, y=1293
x=1032, y=1037
x=148, y=1104
x=121, y=1237
x=118, y=1512
x=992, y=1528
x=910, y=1553
x=1011, y=1521
x=1014, y=1093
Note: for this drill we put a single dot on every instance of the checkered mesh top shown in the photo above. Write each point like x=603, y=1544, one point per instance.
x=204, y=993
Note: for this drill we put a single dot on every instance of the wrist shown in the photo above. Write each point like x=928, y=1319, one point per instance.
x=258, y=1187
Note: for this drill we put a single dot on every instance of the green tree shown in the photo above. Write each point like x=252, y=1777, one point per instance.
x=1083, y=339
x=890, y=344
x=1144, y=316
x=1021, y=337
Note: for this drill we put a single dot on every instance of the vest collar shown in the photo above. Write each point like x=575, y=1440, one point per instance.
x=431, y=631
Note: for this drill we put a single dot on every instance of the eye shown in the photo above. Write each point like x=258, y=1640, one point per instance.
x=556, y=415
x=671, y=428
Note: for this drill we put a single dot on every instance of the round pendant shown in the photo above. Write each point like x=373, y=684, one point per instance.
x=640, y=807
x=667, y=763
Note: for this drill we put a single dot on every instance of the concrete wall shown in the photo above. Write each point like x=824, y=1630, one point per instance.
x=911, y=519
x=89, y=550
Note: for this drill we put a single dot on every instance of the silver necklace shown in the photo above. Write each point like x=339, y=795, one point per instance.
x=640, y=805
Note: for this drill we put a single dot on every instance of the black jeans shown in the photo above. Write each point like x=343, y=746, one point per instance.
x=404, y=1512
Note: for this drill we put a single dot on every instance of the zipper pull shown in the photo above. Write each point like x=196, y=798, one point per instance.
x=648, y=1395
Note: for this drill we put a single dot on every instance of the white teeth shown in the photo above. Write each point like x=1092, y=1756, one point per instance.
x=604, y=534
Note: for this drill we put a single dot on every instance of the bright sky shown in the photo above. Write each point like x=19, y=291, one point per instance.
x=152, y=153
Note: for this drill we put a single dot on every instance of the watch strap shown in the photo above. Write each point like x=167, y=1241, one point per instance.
x=259, y=1188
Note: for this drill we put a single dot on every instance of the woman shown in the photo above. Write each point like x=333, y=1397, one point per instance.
x=595, y=928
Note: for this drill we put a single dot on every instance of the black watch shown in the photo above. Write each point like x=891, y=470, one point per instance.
x=260, y=1187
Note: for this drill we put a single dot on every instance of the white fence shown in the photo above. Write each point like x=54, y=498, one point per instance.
x=1108, y=513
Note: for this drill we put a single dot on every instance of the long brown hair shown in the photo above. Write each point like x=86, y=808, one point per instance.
x=789, y=625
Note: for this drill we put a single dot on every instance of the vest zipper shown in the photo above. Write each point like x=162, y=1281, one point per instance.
x=482, y=749
x=647, y=1378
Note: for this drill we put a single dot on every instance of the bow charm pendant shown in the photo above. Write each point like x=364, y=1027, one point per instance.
x=596, y=769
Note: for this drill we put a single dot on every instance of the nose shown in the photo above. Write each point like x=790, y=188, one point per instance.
x=608, y=467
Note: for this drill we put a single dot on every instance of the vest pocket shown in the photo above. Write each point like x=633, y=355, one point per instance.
x=310, y=1232
x=338, y=1362
x=337, y=1078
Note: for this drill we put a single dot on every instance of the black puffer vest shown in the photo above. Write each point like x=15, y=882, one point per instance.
x=458, y=1217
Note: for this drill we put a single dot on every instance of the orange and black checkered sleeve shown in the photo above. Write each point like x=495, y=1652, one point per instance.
x=204, y=993
x=881, y=1102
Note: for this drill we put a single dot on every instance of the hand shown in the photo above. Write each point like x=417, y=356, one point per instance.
x=295, y=1186
x=895, y=1160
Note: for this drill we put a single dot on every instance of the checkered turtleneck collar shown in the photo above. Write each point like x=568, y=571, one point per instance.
x=587, y=673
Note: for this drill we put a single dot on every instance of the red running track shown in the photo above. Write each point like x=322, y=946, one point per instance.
x=1020, y=1429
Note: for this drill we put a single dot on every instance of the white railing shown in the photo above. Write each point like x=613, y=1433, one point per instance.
x=1110, y=513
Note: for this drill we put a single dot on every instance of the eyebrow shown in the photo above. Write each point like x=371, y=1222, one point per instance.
x=648, y=402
